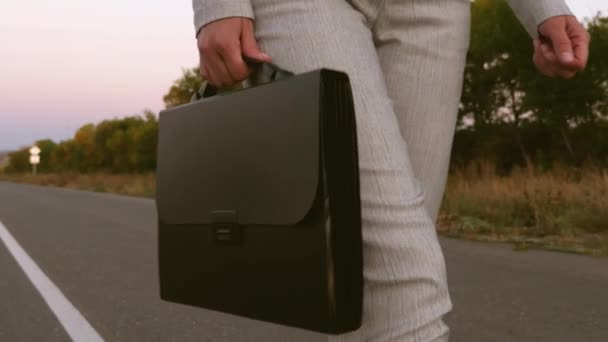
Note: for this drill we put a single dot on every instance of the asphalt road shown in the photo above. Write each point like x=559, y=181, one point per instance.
x=100, y=251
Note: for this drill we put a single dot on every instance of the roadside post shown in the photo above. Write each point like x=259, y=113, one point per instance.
x=34, y=158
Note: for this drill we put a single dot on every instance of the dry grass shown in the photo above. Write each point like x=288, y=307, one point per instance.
x=565, y=209
x=143, y=185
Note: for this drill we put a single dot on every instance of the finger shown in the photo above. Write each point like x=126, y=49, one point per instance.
x=543, y=65
x=562, y=46
x=211, y=77
x=202, y=70
x=581, y=51
x=229, y=51
x=201, y=62
x=548, y=53
x=555, y=67
x=217, y=67
x=214, y=70
x=236, y=66
x=538, y=58
x=205, y=73
x=205, y=54
x=581, y=54
x=580, y=42
x=249, y=44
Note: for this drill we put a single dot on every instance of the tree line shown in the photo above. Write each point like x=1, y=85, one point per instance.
x=126, y=145
x=510, y=114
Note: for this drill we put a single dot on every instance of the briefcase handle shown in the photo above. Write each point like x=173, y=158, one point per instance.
x=262, y=73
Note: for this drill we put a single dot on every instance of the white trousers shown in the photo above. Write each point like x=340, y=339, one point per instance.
x=405, y=60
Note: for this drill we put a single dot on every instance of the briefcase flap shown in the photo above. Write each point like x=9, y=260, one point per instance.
x=253, y=151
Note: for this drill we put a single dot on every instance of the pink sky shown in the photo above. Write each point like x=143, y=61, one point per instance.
x=65, y=63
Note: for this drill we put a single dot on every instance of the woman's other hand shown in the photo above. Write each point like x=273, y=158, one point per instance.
x=563, y=47
x=222, y=46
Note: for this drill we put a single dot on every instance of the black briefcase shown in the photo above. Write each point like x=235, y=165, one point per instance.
x=258, y=202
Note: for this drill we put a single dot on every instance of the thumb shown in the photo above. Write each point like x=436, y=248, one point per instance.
x=562, y=45
x=249, y=45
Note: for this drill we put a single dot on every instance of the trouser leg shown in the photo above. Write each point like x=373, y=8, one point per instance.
x=422, y=47
x=405, y=282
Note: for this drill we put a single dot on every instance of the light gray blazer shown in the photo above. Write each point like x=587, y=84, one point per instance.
x=531, y=13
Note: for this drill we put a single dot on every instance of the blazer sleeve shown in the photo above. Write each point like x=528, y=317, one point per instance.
x=532, y=13
x=206, y=11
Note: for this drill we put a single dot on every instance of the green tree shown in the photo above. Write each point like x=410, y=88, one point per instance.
x=19, y=161
x=500, y=51
x=84, y=138
x=47, y=146
x=183, y=88
x=146, y=142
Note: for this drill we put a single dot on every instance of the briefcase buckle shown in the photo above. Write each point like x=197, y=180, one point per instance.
x=227, y=232
x=225, y=226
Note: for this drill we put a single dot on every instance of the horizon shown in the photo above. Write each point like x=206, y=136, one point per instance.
x=112, y=72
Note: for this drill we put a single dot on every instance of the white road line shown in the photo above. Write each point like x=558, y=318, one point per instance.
x=72, y=320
